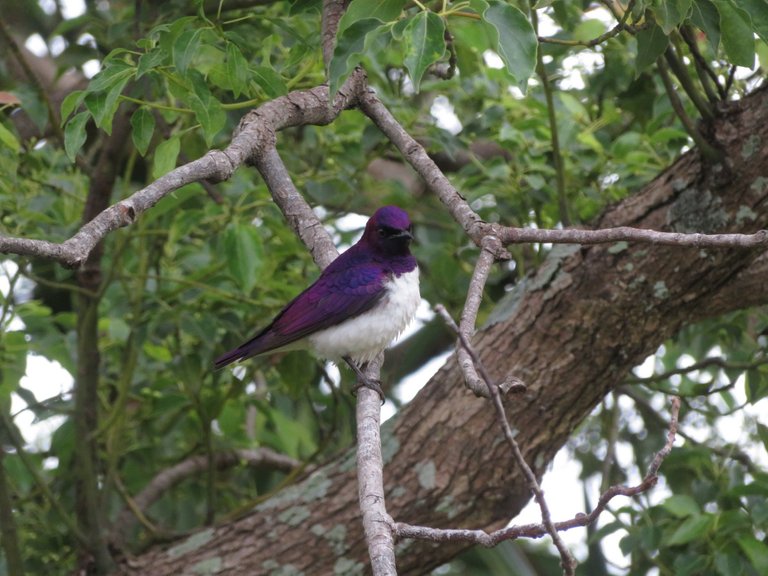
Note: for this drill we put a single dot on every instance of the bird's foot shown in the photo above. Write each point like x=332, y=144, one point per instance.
x=374, y=385
x=364, y=381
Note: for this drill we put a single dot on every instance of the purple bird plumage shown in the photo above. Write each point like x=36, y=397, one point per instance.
x=357, y=306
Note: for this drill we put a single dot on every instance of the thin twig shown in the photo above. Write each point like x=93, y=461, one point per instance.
x=718, y=361
x=557, y=155
x=489, y=540
x=732, y=452
x=615, y=31
x=568, y=562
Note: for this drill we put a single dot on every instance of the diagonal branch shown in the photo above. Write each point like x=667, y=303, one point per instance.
x=165, y=480
x=255, y=132
x=468, y=319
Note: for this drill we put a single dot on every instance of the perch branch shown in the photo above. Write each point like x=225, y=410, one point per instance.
x=309, y=230
x=370, y=477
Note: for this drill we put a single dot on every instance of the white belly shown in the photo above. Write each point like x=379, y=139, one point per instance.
x=364, y=336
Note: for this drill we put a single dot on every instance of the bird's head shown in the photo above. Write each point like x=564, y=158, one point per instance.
x=390, y=231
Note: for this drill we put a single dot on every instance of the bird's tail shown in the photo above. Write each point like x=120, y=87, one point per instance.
x=230, y=357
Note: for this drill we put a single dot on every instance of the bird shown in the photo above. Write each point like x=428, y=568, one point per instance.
x=361, y=302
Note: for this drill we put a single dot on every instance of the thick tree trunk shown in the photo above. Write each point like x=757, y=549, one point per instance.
x=571, y=331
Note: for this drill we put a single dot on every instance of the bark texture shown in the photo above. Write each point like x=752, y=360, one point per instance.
x=571, y=332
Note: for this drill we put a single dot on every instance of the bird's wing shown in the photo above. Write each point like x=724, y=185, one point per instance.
x=339, y=294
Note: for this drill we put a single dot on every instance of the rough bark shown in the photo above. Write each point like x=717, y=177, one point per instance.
x=571, y=331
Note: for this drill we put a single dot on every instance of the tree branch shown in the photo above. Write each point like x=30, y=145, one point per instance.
x=468, y=319
x=705, y=147
x=510, y=235
x=255, y=132
x=333, y=10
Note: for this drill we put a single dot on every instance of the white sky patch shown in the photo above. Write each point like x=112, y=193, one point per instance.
x=586, y=61
x=73, y=8
x=91, y=68
x=492, y=60
x=47, y=6
x=7, y=269
x=57, y=45
x=562, y=491
x=445, y=117
x=36, y=45
x=45, y=379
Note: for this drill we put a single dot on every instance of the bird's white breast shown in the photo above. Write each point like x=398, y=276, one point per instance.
x=364, y=336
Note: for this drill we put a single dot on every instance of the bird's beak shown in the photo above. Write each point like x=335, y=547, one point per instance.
x=404, y=234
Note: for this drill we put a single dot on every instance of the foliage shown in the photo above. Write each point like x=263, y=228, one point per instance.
x=204, y=268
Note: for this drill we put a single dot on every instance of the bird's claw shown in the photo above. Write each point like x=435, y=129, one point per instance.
x=374, y=385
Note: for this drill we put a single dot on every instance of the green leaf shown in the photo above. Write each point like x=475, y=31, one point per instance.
x=207, y=109
x=269, y=81
x=350, y=44
x=70, y=104
x=245, y=255
x=756, y=385
x=727, y=564
x=159, y=353
x=13, y=359
x=737, y=35
x=8, y=139
x=184, y=49
x=762, y=431
x=706, y=18
x=103, y=105
x=112, y=74
x=681, y=505
x=757, y=10
x=671, y=13
x=33, y=104
x=150, y=61
x=381, y=10
x=757, y=552
x=693, y=528
x=651, y=43
x=237, y=69
x=515, y=40
x=143, y=126
x=425, y=44
x=75, y=134
x=165, y=156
